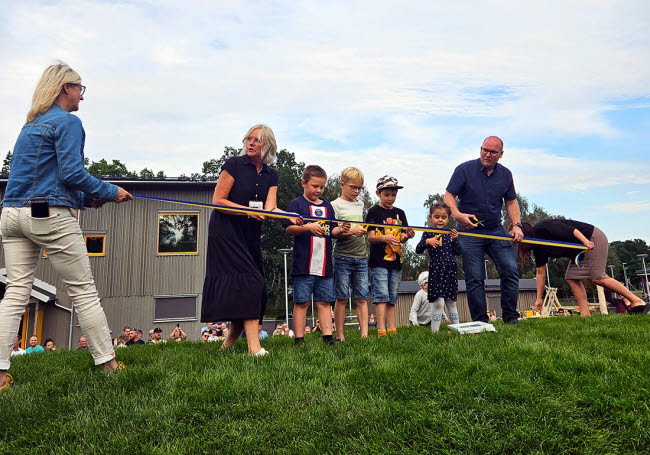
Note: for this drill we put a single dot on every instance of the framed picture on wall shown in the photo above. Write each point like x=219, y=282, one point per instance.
x=178, y=233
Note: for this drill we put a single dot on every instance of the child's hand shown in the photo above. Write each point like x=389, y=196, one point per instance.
x=454, y=234
x=344, y=227
x=390, y=239
x=409, y=233
x=315, y=228
x=297, y=221
x=433, y=242
x=358, y=230
x=589, y=244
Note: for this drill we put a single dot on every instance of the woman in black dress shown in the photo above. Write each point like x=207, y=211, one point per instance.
x=592, y=266
x=234, y=288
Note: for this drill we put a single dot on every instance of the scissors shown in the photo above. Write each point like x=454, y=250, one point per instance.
x=477, y=222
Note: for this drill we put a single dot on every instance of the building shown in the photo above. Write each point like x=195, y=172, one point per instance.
x=147, y=257
x=408, y=289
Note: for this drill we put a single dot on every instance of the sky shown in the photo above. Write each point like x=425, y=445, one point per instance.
x=406, y=88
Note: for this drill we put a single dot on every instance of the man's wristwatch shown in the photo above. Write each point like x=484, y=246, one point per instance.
x=520, y=225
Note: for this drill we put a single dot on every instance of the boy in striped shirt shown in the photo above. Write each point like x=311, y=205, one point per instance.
x=312, y=270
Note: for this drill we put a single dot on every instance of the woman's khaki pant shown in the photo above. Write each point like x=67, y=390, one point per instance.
x=60, y=236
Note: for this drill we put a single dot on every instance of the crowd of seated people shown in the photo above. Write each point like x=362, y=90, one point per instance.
x=211, y=332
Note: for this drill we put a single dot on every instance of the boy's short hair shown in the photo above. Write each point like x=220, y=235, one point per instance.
x=313, y=170
x=351, y=174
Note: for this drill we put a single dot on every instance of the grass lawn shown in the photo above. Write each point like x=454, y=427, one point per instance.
x=557, y=385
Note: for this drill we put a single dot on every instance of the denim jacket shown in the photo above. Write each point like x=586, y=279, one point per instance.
x=48, y=164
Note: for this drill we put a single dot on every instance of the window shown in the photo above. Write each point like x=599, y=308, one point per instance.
x=178, y=233
x=95, y=244
x=175, y=308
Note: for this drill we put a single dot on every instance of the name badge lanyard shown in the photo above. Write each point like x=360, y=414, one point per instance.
x=256, y=177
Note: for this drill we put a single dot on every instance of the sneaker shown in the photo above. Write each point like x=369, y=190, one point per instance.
x=514, y=322
x=261, y=352
x=333, y=341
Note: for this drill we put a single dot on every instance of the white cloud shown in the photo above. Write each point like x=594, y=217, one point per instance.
x=409, y=90
x=629, y=207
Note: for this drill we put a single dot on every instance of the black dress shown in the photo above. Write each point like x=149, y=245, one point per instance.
x=234, y=286
x=443, y=274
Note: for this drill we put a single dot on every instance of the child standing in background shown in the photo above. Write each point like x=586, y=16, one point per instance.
x=443, y=273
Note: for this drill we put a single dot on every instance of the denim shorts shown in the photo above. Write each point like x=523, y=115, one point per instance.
x=385, y=284
x=351, y=272
x=306, y=285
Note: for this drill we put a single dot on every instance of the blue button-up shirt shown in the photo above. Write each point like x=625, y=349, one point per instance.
x=482, y=194
x=48, y=164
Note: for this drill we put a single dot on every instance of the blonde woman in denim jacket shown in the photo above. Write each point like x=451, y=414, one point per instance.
x=47, y=185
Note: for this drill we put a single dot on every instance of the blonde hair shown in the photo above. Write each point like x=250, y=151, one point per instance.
x=270, y=147
x=351, y=174
x=49, y=87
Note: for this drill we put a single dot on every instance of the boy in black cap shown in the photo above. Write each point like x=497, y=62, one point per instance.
x=385, y=261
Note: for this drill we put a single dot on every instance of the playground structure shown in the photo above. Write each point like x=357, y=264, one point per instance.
x=552, y=304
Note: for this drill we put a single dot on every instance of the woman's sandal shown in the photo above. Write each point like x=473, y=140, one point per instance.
x=10, y=381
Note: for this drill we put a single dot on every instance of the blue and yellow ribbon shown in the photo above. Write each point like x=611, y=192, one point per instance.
x=335, y=220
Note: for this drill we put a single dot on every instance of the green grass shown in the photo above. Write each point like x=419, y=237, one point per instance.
x=559, y=385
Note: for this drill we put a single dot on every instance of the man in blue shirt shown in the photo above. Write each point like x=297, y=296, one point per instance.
x=482, y=186
x=34, y=346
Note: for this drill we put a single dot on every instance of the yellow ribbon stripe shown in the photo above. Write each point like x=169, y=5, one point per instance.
x=250, y=211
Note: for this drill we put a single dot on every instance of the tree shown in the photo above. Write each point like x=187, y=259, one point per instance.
x=212, y=168
x=102, y=168
x=626, y=252
x=146, y=173
x=6, y=164
x=273, y=233
x=412, y=263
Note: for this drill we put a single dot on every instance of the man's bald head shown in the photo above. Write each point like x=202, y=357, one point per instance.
x=492, y=140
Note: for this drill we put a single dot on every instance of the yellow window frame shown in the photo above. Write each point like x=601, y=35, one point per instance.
x=103, y=252
x=172, y=253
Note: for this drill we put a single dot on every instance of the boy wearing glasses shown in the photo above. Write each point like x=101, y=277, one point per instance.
x=351, y=254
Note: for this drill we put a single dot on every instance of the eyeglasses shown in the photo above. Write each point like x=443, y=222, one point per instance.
x=491, y=152
x=355, y=188
x=82, y=89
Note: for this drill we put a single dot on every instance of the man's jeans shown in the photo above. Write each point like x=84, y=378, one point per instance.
x=62, y=239
x=502, y=254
